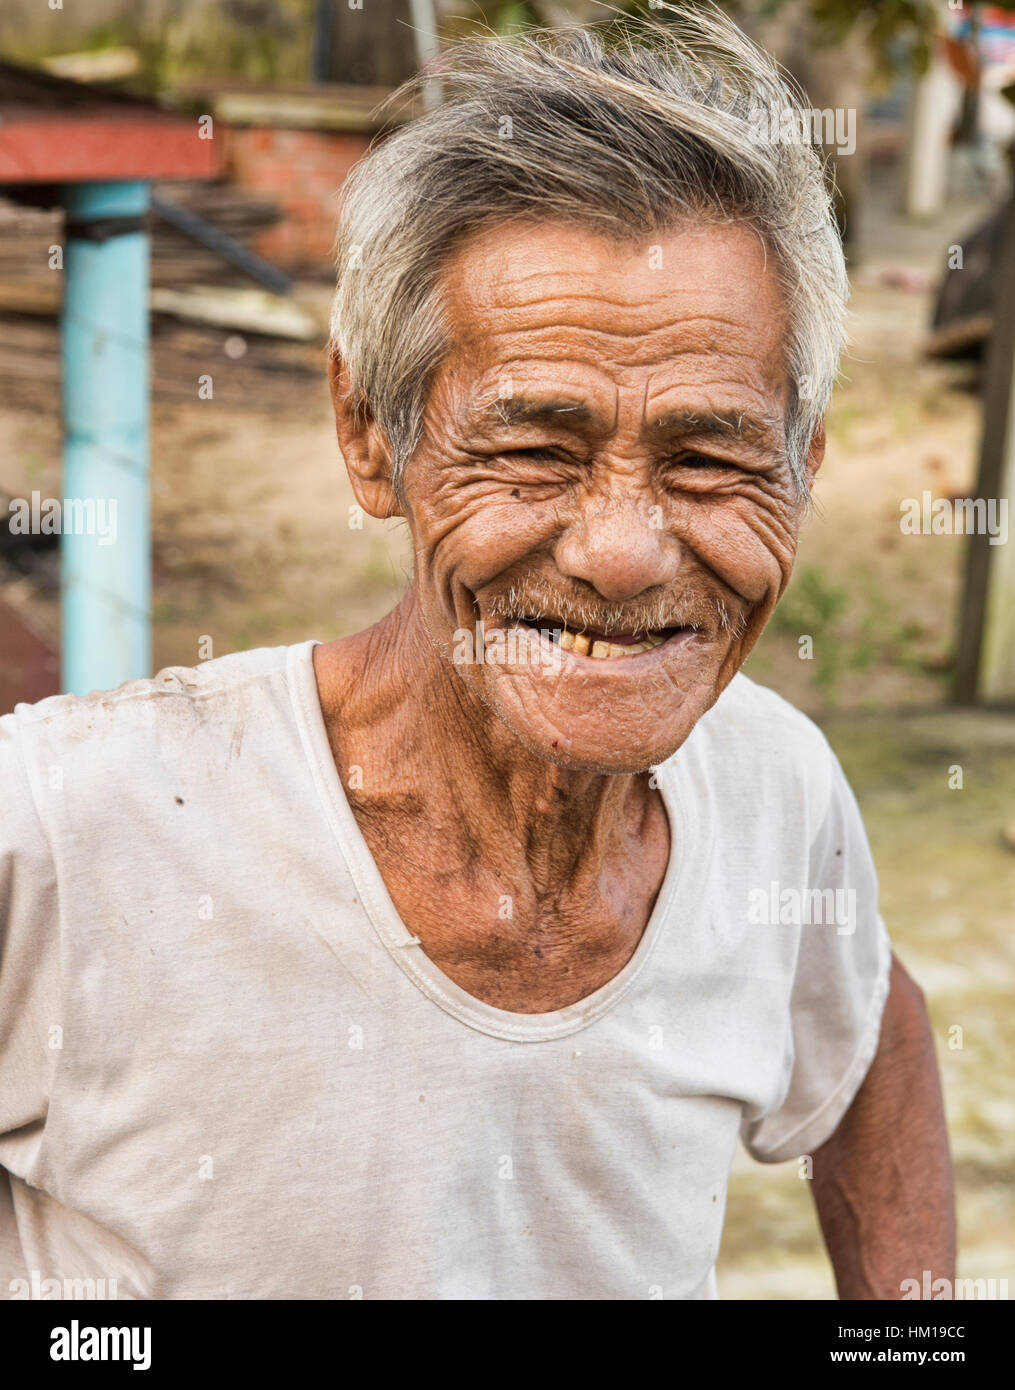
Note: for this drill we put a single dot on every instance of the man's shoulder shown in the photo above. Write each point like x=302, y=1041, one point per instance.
x=755, y=744
x=172, y=684
x=181, y=712
x=748, y=710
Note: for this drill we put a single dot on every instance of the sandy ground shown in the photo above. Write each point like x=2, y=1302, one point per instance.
x=253, y=546
x=947, y=889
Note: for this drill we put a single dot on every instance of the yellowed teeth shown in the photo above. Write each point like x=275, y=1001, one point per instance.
x=580, y=643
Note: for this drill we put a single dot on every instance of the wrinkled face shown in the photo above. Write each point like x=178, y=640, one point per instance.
x=603, y=483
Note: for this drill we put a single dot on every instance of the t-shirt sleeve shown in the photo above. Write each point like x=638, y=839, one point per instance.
x=30, y=1027
x=839, y=988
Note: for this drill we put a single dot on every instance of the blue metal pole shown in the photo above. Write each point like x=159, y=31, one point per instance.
x=105, y=545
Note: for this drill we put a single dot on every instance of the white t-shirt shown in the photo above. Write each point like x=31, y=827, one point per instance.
x=226, y=1071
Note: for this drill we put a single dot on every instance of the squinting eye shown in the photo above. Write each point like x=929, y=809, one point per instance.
x=700, y=461
x=536, y=455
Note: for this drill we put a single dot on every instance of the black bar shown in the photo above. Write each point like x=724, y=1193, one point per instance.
x=104, y=228
x=222, y=244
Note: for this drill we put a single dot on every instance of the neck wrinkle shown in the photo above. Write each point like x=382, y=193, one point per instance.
x=429, y=747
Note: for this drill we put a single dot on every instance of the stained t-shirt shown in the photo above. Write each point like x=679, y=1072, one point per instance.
x=228, y=1070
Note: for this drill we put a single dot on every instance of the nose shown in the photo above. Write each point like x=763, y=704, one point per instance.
x=618, y=545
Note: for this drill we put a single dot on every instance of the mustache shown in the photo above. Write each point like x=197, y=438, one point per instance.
x=535, y=599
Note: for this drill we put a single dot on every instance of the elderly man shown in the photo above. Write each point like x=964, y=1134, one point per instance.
x=451, y=959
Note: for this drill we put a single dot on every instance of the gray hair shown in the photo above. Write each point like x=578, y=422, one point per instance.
x=628, y=131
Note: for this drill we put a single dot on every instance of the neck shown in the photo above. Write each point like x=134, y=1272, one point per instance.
x=431, y=751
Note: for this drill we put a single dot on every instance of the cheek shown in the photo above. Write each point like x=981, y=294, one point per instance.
x=749, y=546
x=486, y=537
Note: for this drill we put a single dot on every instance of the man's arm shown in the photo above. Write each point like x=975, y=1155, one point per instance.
x=883, y=1181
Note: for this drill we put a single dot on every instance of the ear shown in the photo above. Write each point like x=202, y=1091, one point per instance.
x=364, y=447
x=815, y=454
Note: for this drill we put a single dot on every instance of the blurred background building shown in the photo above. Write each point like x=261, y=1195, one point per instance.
x=253, y=538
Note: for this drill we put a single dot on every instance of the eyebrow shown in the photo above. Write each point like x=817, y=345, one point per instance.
x=519, y=410
x=763, y=430
x=750, y=429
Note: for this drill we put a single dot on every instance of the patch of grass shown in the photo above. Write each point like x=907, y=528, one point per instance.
x=166, y=613
x=842, y=420
x=853, y=630
x=378, y=569
x=812, y=607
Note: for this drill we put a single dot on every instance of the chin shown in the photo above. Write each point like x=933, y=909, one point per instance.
x=576, y=728
x=624, y=710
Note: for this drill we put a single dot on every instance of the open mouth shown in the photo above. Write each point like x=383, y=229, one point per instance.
x=614, y=646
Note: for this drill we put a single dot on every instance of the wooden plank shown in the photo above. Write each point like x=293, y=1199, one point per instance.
x=932, y=103
x=104, y=65
x=295, y=112
x=960, y=336
x=985, y=659
x=61, y=147
x=245, y=310
x=36, y=296
x=263, y=378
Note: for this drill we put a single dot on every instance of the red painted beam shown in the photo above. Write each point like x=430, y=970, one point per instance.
x=61, y=147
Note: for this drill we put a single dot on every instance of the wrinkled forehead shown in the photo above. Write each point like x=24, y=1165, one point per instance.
x=543, y=313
